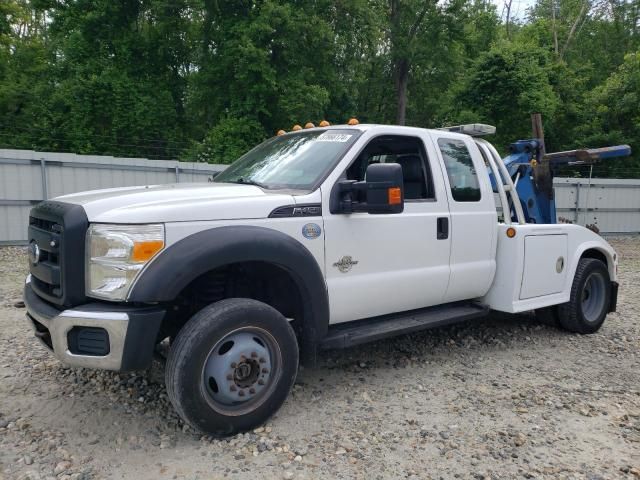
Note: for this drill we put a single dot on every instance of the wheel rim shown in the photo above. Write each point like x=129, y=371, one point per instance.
x=241, y=371
x=593, y=297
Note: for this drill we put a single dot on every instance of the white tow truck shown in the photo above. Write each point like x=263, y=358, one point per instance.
x=315, y=239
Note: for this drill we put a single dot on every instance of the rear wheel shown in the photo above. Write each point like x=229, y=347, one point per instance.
x=232, y=366
x=590, y=298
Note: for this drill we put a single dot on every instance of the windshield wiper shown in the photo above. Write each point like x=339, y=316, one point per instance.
x=242, y=181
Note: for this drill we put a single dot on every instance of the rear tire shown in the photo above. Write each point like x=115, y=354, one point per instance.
x=590, y=298
x=231, y=366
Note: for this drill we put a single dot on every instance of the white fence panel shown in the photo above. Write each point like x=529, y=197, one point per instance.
x=612, y=204
x=27, y=177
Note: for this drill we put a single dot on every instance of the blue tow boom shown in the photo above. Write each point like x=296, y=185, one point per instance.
x=532, y=174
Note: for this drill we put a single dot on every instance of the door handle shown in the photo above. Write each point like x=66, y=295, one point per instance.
x=443, y=228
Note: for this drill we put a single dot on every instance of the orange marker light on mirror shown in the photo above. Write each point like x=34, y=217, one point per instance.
x=394, y=195
x=511, y=232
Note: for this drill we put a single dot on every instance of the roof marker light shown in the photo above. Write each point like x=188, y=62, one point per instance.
x=296, y=127
x=324, y=123
x=353, y=121
x=309, y=125
x=280, y=132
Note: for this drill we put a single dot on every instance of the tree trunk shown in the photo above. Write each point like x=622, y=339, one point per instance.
x=401, y=81
x=402, y=42
x=507, y=5
x=583, y=11
x=554, y=26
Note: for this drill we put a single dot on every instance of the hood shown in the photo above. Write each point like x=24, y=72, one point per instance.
x=180, y=202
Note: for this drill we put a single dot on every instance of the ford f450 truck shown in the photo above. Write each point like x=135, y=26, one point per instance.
x=317, y=239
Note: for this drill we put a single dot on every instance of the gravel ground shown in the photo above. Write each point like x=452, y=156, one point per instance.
x=503, y=397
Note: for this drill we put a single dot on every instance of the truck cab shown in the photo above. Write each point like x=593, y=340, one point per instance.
x=321, y=238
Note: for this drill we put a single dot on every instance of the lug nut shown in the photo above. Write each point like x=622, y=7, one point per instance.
x=260, y=382
x=241, y=393
x=264, y=370
x=252, y=390
x=233, y=364
x=233, y=388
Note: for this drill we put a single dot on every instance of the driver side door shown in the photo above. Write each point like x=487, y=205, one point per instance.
x=377, y=264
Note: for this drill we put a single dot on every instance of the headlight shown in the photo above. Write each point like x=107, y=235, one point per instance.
x=115, y=256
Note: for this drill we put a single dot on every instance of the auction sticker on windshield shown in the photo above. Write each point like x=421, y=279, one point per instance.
x=334, y=137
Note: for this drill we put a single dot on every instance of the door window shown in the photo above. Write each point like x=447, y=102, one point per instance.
x=406, y=151
x=460, y=170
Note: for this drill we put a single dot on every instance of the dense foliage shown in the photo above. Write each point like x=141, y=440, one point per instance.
x=207, y=79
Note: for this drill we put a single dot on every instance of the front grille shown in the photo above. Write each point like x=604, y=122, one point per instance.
x=46, y=225
x=45, y=241
x=50, y=289
x=56, y=251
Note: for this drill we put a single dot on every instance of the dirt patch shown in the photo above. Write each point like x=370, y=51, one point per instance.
x=502, y=397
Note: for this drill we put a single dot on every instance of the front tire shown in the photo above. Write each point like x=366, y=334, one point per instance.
x=590, y=298
x=231, y=366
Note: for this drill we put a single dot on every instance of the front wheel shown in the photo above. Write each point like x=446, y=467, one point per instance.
x=231, y=366
x=590, y=298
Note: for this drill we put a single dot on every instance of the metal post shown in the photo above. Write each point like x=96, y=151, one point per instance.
x=577, y=203
x=45, y=187
x=537, y=130
x=177, y=174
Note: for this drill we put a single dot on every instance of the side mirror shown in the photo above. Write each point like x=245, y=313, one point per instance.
x=385, y=192
x=382, y=192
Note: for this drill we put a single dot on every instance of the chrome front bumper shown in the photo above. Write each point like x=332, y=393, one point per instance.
x=131, y=331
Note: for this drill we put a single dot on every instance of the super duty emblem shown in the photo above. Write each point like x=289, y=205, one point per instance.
x=345, y=264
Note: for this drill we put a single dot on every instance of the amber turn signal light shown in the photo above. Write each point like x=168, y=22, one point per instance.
x=143, y=251
x=511, y=232
x=394, y=195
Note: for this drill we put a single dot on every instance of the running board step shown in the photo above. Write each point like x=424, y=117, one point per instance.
x=347, y=334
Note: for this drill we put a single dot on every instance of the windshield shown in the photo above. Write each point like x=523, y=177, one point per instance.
x=298, y=161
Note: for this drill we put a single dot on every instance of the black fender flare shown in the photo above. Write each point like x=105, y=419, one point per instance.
x=169, y=273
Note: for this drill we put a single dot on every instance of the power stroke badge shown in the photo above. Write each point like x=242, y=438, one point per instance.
x=311, y=231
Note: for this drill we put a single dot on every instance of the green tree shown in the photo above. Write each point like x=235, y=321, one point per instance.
x=227, y=141
x=505, y=85
x=25, y=83
x=206, y=79
x=613, y=117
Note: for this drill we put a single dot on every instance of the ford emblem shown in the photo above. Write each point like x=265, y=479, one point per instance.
x=34, y=252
